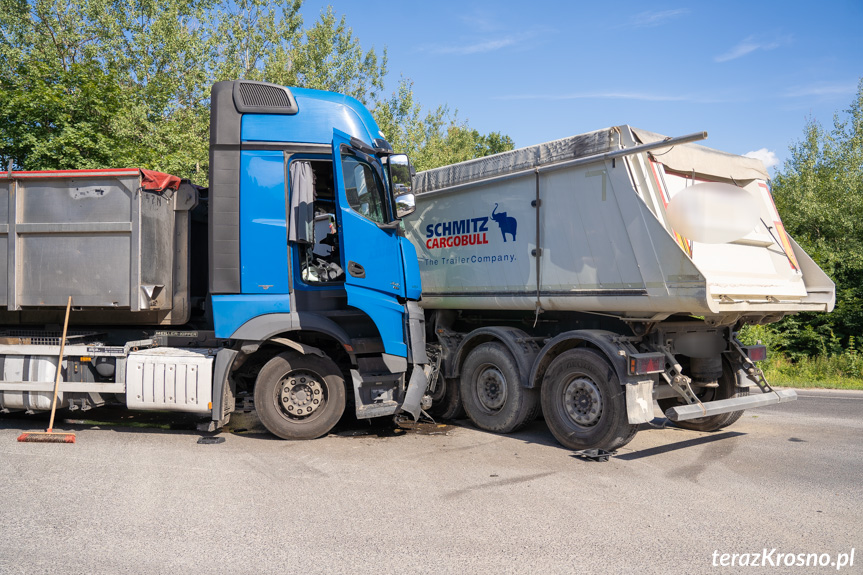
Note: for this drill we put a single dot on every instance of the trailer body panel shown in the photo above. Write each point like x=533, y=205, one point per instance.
x=537, y=229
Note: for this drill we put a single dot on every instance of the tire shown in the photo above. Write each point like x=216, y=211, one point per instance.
x=491, y=390
x=584, y=403
x=292, y=383
x=727, y=389
x=446, y=399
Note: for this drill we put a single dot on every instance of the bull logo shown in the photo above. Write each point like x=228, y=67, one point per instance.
x=507, y=224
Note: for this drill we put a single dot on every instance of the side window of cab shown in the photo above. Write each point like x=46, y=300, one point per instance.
x=364, y=189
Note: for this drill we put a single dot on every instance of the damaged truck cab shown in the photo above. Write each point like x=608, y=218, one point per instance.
x=346, y=282
x=287, y=283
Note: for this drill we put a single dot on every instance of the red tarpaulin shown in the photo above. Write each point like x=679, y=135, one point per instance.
x=158, y=182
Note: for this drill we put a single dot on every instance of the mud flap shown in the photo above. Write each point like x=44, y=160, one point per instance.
x=639, y=401
x=416, y=389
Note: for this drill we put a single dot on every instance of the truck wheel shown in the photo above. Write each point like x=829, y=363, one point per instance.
x=299, y=396
x=446, y=399
x=584, y=403
x=492, y=393
x=726, y=390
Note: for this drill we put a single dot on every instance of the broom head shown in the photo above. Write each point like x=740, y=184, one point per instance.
x=46, y=437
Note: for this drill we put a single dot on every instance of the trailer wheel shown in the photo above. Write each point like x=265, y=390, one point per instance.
x=492, y=393
x=584, y=403
x=299, y=396
x=727, y=389
x=446, y=399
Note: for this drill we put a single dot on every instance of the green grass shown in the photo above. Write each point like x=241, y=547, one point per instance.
x=842, y=371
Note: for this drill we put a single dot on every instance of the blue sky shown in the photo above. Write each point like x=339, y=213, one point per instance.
x=748, y=73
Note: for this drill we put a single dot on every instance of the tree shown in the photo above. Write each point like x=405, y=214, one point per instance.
x=819, y=193
x=435, y=139
x=110, y=83
x=57, y=102
x=60, y=120
x=255, y=40
x=331, y=59
x=102, y=83
x=122, y=83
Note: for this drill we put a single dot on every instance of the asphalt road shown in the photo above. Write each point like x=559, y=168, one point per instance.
x=139, y=500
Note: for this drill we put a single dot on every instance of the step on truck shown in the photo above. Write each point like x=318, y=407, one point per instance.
x=286, y=284
x=589, y=276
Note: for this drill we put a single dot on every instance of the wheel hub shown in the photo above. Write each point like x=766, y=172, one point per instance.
x=583, y=401
x=301, y=394
x=491, y=388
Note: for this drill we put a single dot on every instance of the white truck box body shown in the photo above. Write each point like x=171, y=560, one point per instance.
x=602, y=228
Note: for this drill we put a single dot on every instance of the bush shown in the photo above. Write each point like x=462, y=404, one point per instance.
x=832, y=367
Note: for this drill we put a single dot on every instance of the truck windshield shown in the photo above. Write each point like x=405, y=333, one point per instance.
x=364, y=189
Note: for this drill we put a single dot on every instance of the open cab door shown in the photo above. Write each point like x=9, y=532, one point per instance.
x=374, y=278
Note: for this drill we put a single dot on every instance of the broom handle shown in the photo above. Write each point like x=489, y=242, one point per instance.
x=59, y=365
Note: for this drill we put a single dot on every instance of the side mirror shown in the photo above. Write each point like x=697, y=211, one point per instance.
x=400, y=172
x=405, y=205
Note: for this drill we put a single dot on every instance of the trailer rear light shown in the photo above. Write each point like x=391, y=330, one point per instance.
x=756, y=352
x=642, y=363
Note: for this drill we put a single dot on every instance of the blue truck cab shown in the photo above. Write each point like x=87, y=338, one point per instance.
x=310, y=275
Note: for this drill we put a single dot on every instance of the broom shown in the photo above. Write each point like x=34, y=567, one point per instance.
x=50, y=436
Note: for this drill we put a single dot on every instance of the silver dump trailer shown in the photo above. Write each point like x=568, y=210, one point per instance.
x=594, y=274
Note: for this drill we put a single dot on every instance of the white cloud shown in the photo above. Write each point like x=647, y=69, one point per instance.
x=769, y=158
x=483, y=46
x=652, y=19
x=475, y=48
x=751, y=44
x=480, y=21
x=597, y=95
x=821, y=89
x=637, y=96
